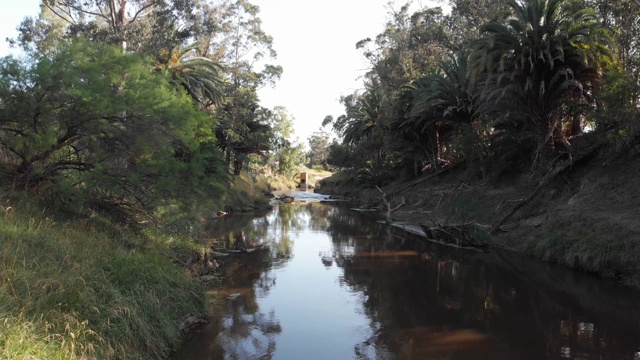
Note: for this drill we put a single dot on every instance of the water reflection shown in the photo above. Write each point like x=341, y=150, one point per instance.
x=329, y=283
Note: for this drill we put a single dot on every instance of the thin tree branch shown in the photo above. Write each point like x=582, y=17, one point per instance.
x=53, y=10
x=135, y=16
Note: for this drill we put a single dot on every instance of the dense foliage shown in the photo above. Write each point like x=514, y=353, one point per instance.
x=93, y=127
x=505, y=87
x=139, y=109
x=123, y=112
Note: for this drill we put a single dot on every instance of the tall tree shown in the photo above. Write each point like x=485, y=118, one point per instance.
x=411, y=44
x=467, y=18
x=136, y=25
x=285, y=153
x=230, y=32
x=622, y=16
x=318, y=149
x=546, y=56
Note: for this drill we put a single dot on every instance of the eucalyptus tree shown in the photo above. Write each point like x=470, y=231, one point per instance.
x=622, y=16
x=468, y=16
x=530, y=68
x=284, y=152
x=410, y=44
x=134, y=25
x=319, y=149
x=230, y=32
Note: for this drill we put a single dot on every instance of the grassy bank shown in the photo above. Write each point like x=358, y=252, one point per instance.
x=248, y=193
x=83, y=289
x=314, y=177
x=587, y=219
x=593, y=245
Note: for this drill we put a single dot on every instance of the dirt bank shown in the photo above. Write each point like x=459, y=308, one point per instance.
x=587, y=217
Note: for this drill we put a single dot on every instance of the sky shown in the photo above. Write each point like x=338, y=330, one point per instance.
x=315, y=41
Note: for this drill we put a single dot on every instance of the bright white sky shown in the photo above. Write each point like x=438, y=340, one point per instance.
x=315, y=41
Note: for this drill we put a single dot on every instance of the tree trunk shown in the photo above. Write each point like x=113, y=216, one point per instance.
x=118, y=10
x=227, y=158
x=237, y=166
x=576, y=124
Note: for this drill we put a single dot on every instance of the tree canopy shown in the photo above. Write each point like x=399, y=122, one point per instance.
x=505, y=86
x=138, y=105
x=140, y=109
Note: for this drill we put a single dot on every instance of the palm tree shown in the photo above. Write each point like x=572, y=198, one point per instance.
x=363, y=118
x=199, y=76
x=448, y=92
x=430, y=109
x=363, y=124
x=546, y=56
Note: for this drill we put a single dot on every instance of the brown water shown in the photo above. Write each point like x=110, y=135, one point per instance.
x=334, y=284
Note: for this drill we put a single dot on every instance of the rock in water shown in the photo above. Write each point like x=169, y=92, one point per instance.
x=192, y=322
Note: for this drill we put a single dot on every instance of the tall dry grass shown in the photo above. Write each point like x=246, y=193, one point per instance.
x=82, y=289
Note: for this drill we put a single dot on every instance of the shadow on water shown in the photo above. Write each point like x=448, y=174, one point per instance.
x=334, y=284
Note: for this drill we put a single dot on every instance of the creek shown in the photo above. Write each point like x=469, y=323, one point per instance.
x=332, y=283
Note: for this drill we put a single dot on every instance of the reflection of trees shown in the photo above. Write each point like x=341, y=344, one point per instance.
x=425, y=301
x=244, y=332
x=271, y=230
x=446, y=296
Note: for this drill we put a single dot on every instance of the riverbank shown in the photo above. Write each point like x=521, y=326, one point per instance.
x=253, y=192
x=324, y=271
x=585, y=218
x=76, y=287
x=82, y=288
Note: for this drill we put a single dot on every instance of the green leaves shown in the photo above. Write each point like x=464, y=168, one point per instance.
x=201, y=77
x=104, y=131
x=542, y=58
x=364, y=118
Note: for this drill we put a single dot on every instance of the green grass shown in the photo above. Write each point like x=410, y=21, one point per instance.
x=290, y=181
x=82, y=289
x=339, y=183
x=598, y=248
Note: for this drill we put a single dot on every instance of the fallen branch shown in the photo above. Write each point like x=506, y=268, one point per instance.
x=431, y=176
x=449, y=235
x=390, y=209
x=438, y=205
x=418, y=181
x=567, y=164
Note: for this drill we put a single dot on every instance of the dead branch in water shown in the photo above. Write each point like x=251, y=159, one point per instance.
x=390, y=209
